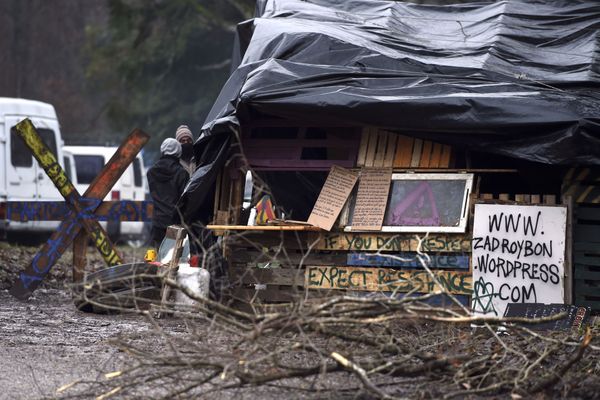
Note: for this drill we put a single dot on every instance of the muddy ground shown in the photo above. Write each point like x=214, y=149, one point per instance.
x=46, y=343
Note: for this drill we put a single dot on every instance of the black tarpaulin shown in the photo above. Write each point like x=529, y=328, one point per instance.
x=517, y=78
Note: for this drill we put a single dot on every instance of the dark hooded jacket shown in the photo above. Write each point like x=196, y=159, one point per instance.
x=166, y=180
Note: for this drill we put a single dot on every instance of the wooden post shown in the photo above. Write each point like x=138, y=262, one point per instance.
x=568, y=284
x=79, y=256
x=178, y=233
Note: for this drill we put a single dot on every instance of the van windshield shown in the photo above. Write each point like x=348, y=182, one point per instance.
x=87, y=167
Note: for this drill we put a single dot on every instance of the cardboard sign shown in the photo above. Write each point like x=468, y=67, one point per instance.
x=371, y=199
x=518, y=256
x=332, y=198
x=386, y=279
x=576, y=316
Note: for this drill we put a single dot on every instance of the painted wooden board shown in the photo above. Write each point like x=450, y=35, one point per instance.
x=67, y=231
x=391, y=150
x=267, y=276
x=518, y=256
x=445, y=156
x=440, y=300
x=372, y=146
x=407, y=260
x=425, y=154
x=288, y=259
x=362, y=150
x=124, y=210
x=436, y=153
x=382, y=140
x=386, y=279
x=389, y=242
x=416, y=155
x=404, y=149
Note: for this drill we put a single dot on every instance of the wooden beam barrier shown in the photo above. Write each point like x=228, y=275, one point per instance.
x=81, y=213
x=387, y=280
x=123, y=210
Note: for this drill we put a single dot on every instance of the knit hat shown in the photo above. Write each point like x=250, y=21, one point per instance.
x=182, y=131
x=170, y=147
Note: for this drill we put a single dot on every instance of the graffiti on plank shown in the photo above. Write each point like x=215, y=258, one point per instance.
x=391, y=242
x=124, y=210
x=408, y=260
x=386, y=279
x=82, y=210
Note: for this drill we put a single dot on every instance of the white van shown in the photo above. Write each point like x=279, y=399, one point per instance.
x=88, y=161
x=21, y=178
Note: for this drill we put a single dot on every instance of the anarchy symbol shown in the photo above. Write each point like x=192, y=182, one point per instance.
x=483, y=296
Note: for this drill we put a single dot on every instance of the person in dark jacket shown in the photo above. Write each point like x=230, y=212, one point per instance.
x=166, y=179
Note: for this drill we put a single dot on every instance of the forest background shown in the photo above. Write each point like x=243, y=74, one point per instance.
x=109, y=66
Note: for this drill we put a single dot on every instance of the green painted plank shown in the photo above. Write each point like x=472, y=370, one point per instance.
x=586, y=259
x=584, y=274
x=586, y=246
x=586, y=233
x=587, y=213
x=584, y=302
x=586, y=290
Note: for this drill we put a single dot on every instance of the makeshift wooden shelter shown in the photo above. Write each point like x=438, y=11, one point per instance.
x=382, y=125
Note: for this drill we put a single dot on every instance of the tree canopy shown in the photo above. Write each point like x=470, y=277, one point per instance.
x=163, y=62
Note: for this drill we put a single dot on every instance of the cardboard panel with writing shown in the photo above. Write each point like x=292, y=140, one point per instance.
x=371, y=199
x=332, y=198
x=518, y=256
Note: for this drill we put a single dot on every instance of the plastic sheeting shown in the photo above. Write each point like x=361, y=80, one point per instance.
x=517, y=78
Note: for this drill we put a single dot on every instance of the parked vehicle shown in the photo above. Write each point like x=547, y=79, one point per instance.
x=21, y=178
x=88, y=161
x=69, y=166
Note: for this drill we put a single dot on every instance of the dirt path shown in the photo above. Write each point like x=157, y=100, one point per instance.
x=46, y=343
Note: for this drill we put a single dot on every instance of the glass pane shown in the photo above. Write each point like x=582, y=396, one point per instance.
x=88, y=167
x=137, y=173
x=49, y=138
x=425, y=203
x=68, y=170
x=20, y=154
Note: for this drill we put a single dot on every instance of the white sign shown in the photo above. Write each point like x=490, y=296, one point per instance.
x=518, y=256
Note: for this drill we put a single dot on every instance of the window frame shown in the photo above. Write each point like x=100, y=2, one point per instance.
x=461, y=228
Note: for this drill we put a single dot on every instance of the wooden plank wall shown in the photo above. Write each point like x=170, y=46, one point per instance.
x=586, y=255
x=381, y=148
x=271, y=267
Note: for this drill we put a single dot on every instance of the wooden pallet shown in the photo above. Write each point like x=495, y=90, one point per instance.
x=300, y=148
x=274, y=267
x=519, y=198
x=381, y=148
x=582, y=184
x=586, y=256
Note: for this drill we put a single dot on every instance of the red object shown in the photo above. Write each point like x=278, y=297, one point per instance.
x=2, y=210
x=195, y=261
x=115, y=195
